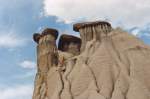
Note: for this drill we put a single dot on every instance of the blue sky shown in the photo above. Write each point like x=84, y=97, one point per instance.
x=21, y=18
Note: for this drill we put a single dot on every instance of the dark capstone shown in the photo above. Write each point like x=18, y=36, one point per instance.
x=51, y=31
x=47, y=31
x=65, y=40
x=78, y=26
x=36, y=37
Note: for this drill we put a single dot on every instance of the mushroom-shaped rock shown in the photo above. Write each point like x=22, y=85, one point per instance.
x=46, y=60
x=66, y=40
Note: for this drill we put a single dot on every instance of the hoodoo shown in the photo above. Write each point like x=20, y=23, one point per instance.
x=105, y=63
x=46, y=59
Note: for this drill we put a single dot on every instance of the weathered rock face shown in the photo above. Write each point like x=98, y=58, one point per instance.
x=111, y=64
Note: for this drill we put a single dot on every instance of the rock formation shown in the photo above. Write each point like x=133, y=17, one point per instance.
x=46, y=59
x=106, y=63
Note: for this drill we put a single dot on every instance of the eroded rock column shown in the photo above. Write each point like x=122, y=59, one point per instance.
x=46, y=58
x=69, y=47
x=115, y=69
x=90, y=68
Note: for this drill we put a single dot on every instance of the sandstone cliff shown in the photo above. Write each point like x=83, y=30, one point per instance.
x=106, y=63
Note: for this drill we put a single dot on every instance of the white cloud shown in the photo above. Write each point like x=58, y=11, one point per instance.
x=136, y=31
x=17, y=92
x=120, y=12
x=11, y=40
x=141, y=31
x=28, y=64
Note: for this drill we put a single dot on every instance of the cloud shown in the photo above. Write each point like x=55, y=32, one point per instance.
x=28, y=64
x=141, y=31
x=17, y=92
x=120, y=12
x=135, y=31
x=11, y=40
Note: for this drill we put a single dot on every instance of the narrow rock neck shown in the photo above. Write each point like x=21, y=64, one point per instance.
x=46, y=53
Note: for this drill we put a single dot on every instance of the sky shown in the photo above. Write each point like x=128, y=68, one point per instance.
x=19, y=19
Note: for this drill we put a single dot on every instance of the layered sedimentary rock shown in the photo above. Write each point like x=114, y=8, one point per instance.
x=111, y=64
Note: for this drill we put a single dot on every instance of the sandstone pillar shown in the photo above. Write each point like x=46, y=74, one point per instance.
x=46, y=58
